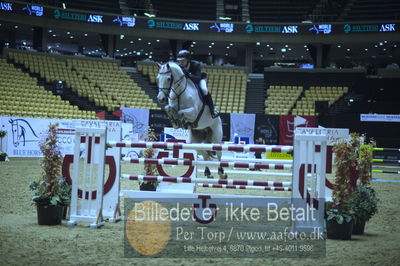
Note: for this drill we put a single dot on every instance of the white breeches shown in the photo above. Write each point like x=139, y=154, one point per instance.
x=203, y=87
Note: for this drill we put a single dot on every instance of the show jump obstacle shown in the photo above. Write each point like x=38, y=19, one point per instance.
x=92, y=203
x=386, y=163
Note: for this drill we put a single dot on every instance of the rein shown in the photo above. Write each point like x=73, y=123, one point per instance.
x=178, y=95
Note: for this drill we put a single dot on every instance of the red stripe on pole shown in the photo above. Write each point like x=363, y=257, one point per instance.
x=224, y=164
x=223, y=181
x=279, y=167
x=276, y=149
x=186, y=180
x=170, y=179
x=172, y=161
x=135, y=160
x=257, y=149
x=241, y=165
x=235, y=148
x=260, y=183
x=240, y=182
x=217, y=148
x=160, y=145
x=261, y=166
x=150, y=178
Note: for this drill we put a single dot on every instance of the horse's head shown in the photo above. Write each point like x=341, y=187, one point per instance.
x=164, y=81
x=168, y=75
x=16, y=134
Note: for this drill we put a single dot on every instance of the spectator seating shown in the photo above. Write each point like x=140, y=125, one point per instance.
x=306, y=105
x=103, y=82
x=281, y=99
x=21, y=96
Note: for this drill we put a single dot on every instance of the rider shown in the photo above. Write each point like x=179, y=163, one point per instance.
x=192, y=69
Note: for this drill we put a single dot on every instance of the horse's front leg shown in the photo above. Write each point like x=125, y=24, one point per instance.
x=188, y=114
x=173, y=116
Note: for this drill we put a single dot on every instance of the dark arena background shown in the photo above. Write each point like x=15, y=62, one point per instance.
x=284, y=63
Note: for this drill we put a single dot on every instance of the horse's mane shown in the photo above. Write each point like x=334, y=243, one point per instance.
x=175, y=66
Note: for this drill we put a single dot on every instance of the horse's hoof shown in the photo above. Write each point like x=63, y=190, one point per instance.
x=224, y=176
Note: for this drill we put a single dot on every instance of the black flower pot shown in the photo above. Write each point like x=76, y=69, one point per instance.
x=359, y=226
x=65, y=212
x=339, y=231
x=50, y=215
x=2, y=158
x=148, y=187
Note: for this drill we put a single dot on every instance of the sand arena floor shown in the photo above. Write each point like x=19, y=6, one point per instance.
x=24, y=242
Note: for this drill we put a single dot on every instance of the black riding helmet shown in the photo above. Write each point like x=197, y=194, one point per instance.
x=183, y=54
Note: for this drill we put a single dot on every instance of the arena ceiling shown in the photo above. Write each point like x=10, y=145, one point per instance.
x=127, y=46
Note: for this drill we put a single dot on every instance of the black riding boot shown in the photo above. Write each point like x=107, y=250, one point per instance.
x=210, y=103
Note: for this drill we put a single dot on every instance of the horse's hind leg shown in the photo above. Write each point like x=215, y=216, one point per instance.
x=197, y=137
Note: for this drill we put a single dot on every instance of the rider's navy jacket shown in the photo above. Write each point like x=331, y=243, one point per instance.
x=194, y=71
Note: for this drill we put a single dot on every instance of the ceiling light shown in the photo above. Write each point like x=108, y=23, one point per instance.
x=283, y=50
x=228, y=47
x=286, y=45
x=258, y=43
x=121, y=37
x=339, y=46
x=209, y=46
x=348, y=49
x=71, y=37
x=85, y=34
x=157, y=40
x=224, y=18
x=50, y=31
x=68, y=32
x=194, y=42
x=139, y=39
x=149, y=15
x=231, y=44
x=149, y=43
x=267, y=45
x=131, y=41
x=305, y=46
x=366, y=49
x=271, y=48
x=54, y=35
x=212, y=43
x=64, y=6
x=16, y=26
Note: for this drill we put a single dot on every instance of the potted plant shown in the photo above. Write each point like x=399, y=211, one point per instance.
x=3, y=154
x=339, y=213
x=150, y=169
x=365, y=205
x=365, y=201
x=51, y=192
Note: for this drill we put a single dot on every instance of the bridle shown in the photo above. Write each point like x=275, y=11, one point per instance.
x=167, y=91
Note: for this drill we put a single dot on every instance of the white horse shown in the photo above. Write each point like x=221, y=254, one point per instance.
x=184, y=107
